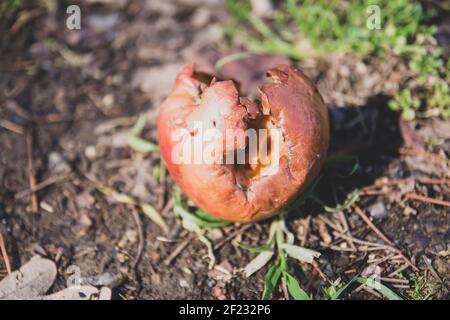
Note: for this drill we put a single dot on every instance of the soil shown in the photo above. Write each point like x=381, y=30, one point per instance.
x=77, y=93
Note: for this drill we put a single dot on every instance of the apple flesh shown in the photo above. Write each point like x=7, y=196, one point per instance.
x=290, y=106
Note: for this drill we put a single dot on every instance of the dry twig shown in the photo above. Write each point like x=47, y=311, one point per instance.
x=371, y=225
x=382, y=236
x=42, y=185
x=425, y=154
x=178, y=250
x=11, y=126
x=285, y=289
x=415, y=196
x=307, y=223
x=140, y=230
x=233, y=235
x=394, y=273
x=31, y=173
x=430, y=267
x=4, y=252
x=316, y=267
x=394, y=280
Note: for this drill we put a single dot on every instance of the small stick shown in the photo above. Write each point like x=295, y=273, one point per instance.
x=31, y=176
x=42, y=185
x=13, y=106
x=337, y=248
x=350, y=271
x=371, y=225
x=331, y=224
x=324, y=234
x=307, y=223
x=410, y=196
x=362, y=242
x=285, y=289
x=373, y=292
x=401, y=286
x=233, y=235
x=4, y=253
x=383, y=259
x=167, y=207
x=397, y=257
x=346, y=227
x=382, y=236
x=11, y=126
x=367, y=249
x=375, y=192
x=177, y=250
x=320, y=272
x=369, y=290
x=415, y=196
x=434, y=181
x=430, y=267
x=162, y=184
x=425, y=154
x=344, y=223
x=390, y=182
x=140, y=249
x=398, y=271
x=372, y=189
x=394, y=280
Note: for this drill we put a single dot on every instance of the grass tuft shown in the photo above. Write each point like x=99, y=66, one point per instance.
x=312, y=28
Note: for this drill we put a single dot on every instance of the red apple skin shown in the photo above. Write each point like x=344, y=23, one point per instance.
x=295, y=106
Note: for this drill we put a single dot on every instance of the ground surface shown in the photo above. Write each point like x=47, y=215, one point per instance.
x=77, y=93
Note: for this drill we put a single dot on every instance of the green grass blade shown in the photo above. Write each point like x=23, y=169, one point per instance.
x=378, y=286
x=193, y=218
x=294, y=288
x=300, y=253
x=342, y=289
x=136, y=142
x=141, y=145
x=139, y=125
x=270, y=281
x=207, y=217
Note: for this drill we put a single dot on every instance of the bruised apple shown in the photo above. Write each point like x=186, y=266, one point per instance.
x=237, y=159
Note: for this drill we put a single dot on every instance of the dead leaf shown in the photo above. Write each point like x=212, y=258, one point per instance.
x=257, y=263
x=34, y=279
x=72, y=294
x=222, y=272
x=249, y=70
x=154, y=215
x=79, y=293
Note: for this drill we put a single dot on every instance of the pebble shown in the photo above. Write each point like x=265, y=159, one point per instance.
x=57, y=164
x=378, y=210
x=183, y=283
x=157, y=81
x=409, y=211
x=200, y=17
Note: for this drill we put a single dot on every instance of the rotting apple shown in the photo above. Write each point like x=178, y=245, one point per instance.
x=244, y=192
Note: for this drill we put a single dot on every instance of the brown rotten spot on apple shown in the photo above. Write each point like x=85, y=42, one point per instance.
x=290, y=108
